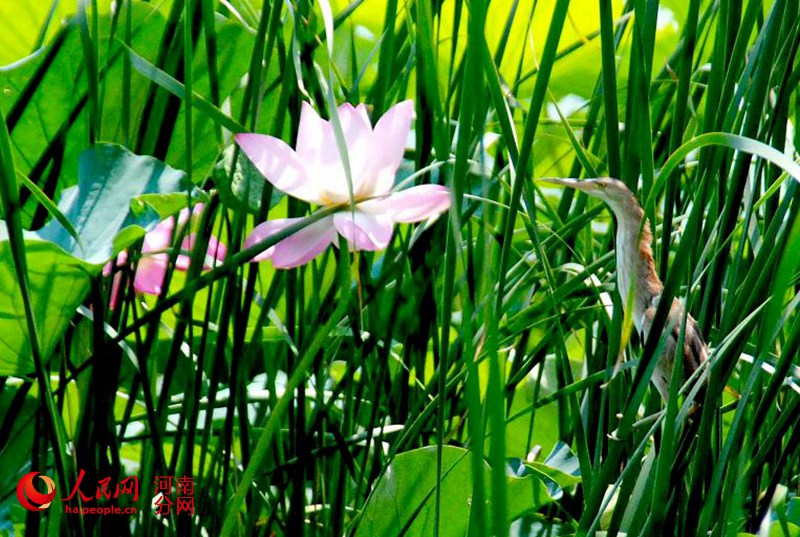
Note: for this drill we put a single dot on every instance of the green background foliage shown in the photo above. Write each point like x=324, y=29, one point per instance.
x=414, y=390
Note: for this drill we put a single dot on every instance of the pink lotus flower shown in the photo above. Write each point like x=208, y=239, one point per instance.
x=315, y=173
x=154, y=262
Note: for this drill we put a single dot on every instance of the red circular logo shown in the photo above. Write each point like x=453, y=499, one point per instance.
x=30, y=498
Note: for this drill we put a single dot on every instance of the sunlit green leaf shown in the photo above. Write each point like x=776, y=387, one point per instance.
x=60, y=267
x=403, y=500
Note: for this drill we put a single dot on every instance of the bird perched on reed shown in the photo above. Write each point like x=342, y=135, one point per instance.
x=636, y=275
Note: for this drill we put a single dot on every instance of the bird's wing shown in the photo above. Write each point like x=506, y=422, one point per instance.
x=694, y=346
x=695, y=351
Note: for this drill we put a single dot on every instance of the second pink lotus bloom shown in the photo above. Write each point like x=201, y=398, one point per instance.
x=314, y=172
x=151, y=269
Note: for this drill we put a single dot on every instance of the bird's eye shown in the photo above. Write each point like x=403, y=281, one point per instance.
x=601, y=185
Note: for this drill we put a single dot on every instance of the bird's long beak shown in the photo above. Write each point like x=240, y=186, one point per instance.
x=571, y=183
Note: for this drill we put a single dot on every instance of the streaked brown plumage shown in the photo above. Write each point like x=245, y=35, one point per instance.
x=636, y=273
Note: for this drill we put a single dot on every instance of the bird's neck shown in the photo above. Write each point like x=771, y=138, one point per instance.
x=636, y=271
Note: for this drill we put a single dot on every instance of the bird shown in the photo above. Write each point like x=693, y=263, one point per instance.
x=636, y=275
